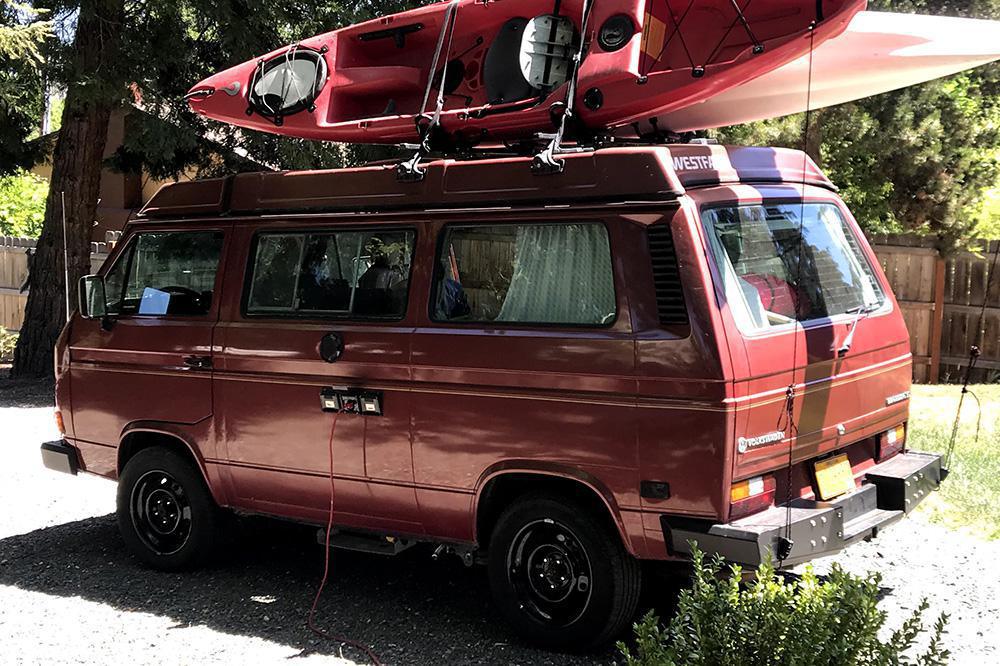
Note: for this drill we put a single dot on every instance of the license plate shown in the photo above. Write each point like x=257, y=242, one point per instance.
x=834, y=477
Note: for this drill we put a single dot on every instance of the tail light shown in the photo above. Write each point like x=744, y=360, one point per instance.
x=891, y=443
x=59, y=422
x=751, y=496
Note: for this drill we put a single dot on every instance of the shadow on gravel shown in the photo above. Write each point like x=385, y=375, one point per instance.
x=408, y=608
x=25, y=393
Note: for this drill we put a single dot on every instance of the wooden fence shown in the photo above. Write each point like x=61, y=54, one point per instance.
x=941, y=300
x=13, y=273
x=14, y=255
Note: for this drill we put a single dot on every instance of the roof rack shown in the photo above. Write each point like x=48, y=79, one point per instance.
x=591, y=175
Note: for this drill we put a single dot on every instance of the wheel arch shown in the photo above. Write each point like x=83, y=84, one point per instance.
x=503, y=484
x=140, y=436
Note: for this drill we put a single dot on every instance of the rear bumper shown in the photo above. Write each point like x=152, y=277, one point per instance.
x=890, y=491
x=61, y=457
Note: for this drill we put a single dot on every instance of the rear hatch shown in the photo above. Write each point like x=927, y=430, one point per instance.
x=820, y=349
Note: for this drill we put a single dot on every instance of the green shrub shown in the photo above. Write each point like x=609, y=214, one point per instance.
x=22, y=205
x=7, y=343
x=772, y=621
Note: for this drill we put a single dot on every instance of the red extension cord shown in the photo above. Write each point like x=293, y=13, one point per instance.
x=326, y=571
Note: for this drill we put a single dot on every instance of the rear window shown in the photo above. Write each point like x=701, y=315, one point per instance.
x=350, y=274
x=773, y=276
x=554, y=274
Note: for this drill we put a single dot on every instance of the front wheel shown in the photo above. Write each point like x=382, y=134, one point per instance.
x=166, y=514
x=560, y=575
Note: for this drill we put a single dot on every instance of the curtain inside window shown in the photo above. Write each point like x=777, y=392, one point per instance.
x=562, y=274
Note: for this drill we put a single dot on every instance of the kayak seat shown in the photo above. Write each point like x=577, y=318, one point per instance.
x=502, y=69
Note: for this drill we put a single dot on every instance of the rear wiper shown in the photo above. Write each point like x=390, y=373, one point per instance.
x=861, y=312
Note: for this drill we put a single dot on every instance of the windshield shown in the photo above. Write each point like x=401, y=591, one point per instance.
x=772, y=278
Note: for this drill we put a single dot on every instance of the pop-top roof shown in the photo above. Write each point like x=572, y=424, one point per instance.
x=647, y=173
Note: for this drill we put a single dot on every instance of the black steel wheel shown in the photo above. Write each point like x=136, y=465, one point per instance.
x=160, y=512
x=166, y=513
x=561, y=575
x=551, y=573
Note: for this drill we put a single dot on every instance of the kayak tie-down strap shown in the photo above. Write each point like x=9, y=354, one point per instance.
x=410, y=170
x=547, y=160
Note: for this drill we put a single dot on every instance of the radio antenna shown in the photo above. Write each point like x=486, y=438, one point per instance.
x=65, y=229
x=785, y=543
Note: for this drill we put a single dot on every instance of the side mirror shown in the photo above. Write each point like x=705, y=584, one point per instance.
x=93, y=298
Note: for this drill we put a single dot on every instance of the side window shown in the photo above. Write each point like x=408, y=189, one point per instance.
x=166, y=274
x=526, y=274
x=361, y=274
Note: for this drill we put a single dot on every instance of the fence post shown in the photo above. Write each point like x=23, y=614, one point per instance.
x=937, y=327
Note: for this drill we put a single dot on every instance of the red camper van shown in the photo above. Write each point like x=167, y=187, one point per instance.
x=559, y=375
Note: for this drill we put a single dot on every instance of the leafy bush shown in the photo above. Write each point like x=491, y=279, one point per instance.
x=989, y=224
x=774, y=622
x=7, y=343
x=22, y=205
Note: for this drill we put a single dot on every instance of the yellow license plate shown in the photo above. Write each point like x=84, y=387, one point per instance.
x=834, y=477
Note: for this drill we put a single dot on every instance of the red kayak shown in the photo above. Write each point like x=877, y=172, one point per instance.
x=880, y=51
x=501, y=68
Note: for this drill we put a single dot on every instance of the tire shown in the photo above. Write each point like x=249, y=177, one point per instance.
x=166, y=513
x=560, y=574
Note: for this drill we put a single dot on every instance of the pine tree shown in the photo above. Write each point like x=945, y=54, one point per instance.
x=22, y=33
x=76, y=179
x=124, y=50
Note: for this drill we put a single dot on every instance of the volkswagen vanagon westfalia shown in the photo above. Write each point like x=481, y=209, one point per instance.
x=560, y=375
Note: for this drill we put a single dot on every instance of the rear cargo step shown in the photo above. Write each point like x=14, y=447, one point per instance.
x=891, y=490
x=870, y=524
x=906, y=480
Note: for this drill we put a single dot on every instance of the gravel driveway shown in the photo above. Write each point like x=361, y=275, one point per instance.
x=69, y=593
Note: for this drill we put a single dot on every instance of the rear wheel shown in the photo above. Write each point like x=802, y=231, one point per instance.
x=560, y=575
x=166, y=514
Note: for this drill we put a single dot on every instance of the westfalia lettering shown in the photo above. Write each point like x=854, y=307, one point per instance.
x=694, y=163
x=749, y=443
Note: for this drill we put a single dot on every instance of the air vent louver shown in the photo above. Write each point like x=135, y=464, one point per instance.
x=667, y=277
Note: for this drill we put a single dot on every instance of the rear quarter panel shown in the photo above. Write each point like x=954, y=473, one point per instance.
x=684, y=380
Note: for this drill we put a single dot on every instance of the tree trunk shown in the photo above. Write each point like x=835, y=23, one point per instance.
x=76, y=172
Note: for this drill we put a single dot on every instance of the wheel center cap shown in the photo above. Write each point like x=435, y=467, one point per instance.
x=163, y=511
x=551, y=573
